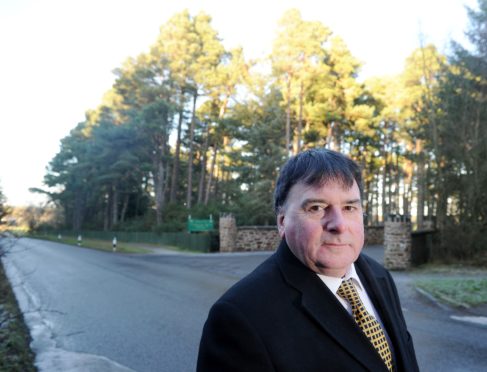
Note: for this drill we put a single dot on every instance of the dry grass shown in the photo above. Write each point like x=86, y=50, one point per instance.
x=15, y=353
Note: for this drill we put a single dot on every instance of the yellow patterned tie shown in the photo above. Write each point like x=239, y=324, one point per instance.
x=369, y=325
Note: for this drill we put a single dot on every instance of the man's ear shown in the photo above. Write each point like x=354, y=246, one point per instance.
x=280, y=224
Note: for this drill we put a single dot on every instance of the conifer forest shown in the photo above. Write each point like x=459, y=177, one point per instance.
x=190, y=128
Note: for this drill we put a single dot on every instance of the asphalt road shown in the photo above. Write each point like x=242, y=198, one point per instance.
x=97, y=311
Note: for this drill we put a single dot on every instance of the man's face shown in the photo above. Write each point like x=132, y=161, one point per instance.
x=323, y=226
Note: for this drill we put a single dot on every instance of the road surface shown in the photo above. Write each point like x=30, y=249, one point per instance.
x=100, y=311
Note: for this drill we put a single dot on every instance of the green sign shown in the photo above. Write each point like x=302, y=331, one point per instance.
x=200, y=225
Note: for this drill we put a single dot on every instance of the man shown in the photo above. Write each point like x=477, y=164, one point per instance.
x=317, y=304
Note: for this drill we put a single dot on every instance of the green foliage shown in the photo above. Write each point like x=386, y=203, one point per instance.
x=190, y=128
x=260, y=158
x=461, y=137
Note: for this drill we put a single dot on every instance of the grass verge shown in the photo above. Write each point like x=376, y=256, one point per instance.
x=103, y=245
x=456, y=291
x=15, y=353
x=106, y=245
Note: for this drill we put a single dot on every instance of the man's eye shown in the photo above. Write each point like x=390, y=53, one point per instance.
x=316, y=208
x=350, y=208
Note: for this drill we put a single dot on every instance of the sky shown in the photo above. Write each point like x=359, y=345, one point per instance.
x=57, y=56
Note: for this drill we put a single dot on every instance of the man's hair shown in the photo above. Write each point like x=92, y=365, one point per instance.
x=316, y=167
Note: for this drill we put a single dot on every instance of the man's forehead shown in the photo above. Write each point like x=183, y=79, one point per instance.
x=327, y=185
x=329, y=192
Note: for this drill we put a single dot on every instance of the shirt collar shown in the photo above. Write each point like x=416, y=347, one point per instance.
x=333, y=283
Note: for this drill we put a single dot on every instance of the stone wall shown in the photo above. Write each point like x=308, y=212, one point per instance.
x=257, y=238
x=397, y=243
x=266, y=238
x=246, y=238
x=374, y=235
x=228, y=233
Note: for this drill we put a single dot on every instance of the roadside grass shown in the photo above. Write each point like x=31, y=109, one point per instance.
x=106, y=245
x=465, y=269
x=103, y=245
x=15, y=353
x=464, y=292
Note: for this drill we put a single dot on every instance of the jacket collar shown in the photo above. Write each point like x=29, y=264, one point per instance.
x=320, y=304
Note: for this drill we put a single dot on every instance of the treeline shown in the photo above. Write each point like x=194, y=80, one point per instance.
x=190, y=128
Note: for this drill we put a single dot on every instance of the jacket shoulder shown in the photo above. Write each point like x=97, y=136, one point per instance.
x=260, y=283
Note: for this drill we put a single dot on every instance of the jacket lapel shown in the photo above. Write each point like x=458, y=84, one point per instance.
x=380, y=292
x=376, y=286
x=319, y=303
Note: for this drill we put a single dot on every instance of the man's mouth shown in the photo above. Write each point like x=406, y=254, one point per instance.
x=334, y=244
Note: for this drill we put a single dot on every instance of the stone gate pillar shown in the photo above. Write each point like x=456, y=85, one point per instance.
x=228, y=233
x=397, y=243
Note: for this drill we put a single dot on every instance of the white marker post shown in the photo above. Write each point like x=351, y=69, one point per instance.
x=80, y=240
x=114, y=244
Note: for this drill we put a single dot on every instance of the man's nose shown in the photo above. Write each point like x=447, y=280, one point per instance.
x=334, y=220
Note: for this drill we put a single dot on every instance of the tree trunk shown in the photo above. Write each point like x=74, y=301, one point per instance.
x=420, y=181
x=408, y=181
x=114, y=206
x=397, y=191
x=159, y=188
x=329, y=135
x=288, y=116
x=406, y=197
x=78, y=211
x=223, y=173
x=385, y=210
x=190, y=154
x=201, y=185
x=106, y=214
x=299, y=139
x=124, y=207
x=175, y=167
x=368, y=203
x=212, y=172
x=375, y=198
x=390, y=196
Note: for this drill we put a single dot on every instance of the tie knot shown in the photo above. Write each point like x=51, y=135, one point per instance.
x=348, y=292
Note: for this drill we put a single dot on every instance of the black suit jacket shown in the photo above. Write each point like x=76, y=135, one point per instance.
x=282, y=317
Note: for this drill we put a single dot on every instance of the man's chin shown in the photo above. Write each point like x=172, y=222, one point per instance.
x=331, y=268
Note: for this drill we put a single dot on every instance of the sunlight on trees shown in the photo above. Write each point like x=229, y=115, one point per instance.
x=190, y=127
